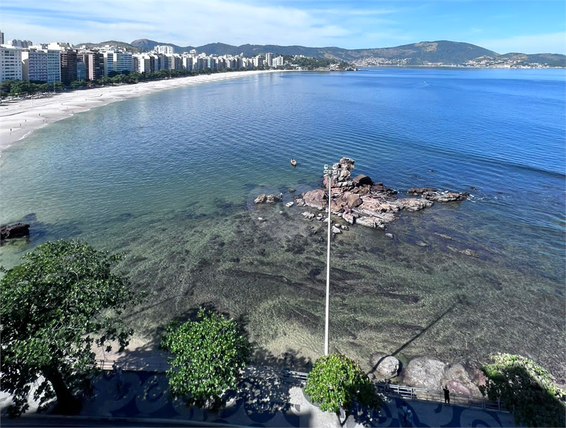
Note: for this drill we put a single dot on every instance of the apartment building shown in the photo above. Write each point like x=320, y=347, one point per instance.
x=10, y=63
x=94, y=64
x=34, y=65
x=68, y=66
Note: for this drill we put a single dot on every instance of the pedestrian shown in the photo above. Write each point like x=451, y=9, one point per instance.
x=409, y=418
x=404, y=410
x=446, y=394
x=118, y=375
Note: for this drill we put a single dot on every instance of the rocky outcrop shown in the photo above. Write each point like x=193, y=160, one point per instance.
x=436, y=195
x=458, y=381
x=360, y=201
x=16, y=230
x=385, y=366
x=425, y=373
x=267, y=199
x=315, y=199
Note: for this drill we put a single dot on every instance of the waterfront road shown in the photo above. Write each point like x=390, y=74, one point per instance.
x=265, y=400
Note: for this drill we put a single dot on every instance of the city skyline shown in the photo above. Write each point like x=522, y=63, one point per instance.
x=501, y=26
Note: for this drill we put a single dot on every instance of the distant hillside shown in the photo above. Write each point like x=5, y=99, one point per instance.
x=121, y=45
x=442, y=52
x=553, y=60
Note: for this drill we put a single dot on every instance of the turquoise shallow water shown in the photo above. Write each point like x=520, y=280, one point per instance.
x=169, y=179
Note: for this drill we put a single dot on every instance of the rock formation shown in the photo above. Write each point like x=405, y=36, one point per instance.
x=386, y=366
x=360, y=201
x=17, y=230
x=267, y=199
x=425, y=373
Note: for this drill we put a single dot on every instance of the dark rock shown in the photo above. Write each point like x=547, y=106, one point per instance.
x=16, y=230
x=267, y=199
x=445, y=196
x=361, y=180
x=417, y=191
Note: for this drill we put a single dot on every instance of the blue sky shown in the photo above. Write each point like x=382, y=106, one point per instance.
x=503, y=26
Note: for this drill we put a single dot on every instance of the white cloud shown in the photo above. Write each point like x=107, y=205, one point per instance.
x=184, y=22
x=537, y=43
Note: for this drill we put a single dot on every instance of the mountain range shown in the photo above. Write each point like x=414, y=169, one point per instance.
x=442, y=52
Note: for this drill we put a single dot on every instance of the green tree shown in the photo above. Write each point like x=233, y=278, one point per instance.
x=208, y=356
x=526, y=389
x=337, y=381
x=54, y=306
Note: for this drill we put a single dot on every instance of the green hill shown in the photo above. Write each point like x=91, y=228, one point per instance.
x=441, y=52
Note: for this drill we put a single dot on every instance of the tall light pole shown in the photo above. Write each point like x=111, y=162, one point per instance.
x=328, y=172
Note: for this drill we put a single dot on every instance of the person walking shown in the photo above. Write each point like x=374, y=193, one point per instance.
x=446, y=394
x=119, y=379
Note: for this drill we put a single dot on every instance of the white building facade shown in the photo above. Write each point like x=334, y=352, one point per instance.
x=10, y=63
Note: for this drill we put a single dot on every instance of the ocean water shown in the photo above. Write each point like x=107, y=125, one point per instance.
x=169, y=180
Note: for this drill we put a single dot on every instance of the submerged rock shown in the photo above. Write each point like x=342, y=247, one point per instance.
x=16, y=230
x=267, y=199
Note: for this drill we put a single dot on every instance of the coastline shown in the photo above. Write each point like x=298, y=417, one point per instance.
x=19, y=119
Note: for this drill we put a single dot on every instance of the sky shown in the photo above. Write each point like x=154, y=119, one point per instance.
x=503, y=26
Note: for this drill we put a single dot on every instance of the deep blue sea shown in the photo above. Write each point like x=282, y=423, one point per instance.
x=169, y=179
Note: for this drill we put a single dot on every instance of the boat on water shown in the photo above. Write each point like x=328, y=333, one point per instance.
x=293, y=162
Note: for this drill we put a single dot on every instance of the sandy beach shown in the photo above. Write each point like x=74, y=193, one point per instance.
x=18, y=119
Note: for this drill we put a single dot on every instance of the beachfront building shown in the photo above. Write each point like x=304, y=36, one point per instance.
x=81, y=70
x=53, y=66
x=53, y=51
x=34, y=65
x=10, y=63
x=68, y=66
x=94, y=64
x=278, y=62
x=117, y=62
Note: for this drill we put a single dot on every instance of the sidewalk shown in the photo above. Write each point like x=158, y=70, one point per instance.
x=265, y=400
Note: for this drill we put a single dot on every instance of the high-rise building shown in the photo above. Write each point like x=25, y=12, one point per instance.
x=34, y=65
x=117, y=62
x=81, y=70
x=94, y=64
x=10, y=63
x=20, y=43
x=68, y=66
x=164, y=49
x=53, y=65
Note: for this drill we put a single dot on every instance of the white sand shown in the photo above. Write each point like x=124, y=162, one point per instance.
x=19, y=118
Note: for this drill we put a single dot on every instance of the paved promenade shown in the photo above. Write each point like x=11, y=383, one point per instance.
x=265, y=400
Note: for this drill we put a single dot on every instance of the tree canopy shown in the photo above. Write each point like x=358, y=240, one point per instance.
x=337, y=381
x=54, y=306
x=208, y=356
x=526, y=389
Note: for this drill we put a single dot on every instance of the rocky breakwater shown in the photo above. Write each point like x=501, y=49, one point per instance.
x=359, y=200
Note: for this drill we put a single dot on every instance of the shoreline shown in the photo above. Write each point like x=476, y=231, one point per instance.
x=19, y=119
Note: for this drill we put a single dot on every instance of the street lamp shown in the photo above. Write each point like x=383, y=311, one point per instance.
x=328, y=172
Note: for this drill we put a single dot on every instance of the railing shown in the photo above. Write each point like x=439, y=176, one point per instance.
x=412, y=393
x=403, y=391
x=153, y=366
